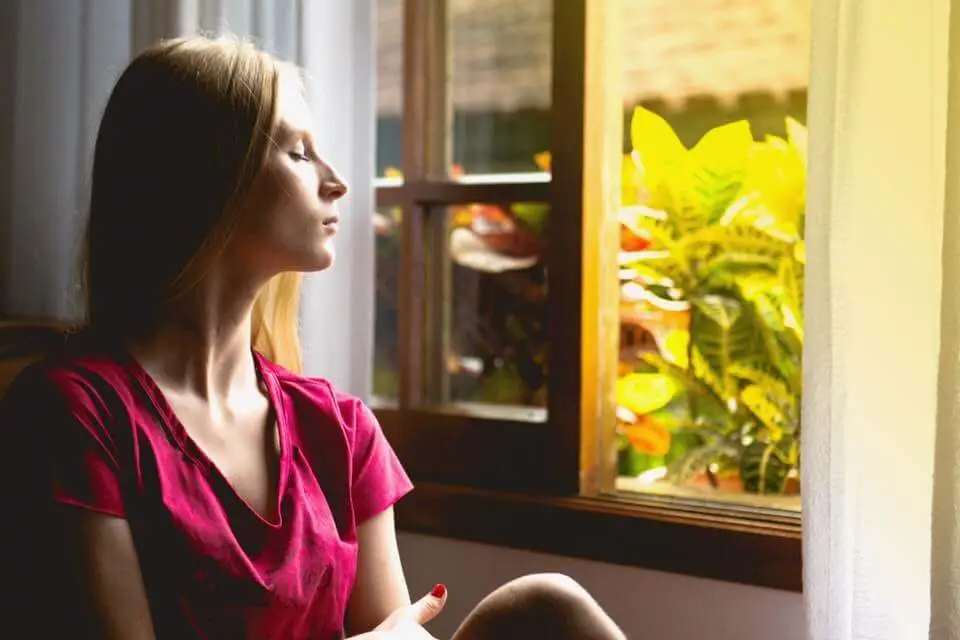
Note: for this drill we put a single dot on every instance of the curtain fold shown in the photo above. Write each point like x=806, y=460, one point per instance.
x=945, y=557
x=877, y=298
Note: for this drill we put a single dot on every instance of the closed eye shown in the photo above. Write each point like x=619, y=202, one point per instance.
x=301, y=152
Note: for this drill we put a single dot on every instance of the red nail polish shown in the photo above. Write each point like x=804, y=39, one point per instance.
x=439, y=591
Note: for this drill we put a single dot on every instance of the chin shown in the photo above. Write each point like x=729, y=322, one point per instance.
x=320, y=261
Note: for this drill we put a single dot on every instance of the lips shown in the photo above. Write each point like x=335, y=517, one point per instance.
x=331, y=222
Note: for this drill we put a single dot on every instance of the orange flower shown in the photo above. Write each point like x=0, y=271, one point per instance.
x=543, y=160
x=648, y=436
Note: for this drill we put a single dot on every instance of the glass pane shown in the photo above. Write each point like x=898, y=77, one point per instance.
x=711, y=250
x=500, y=57
x=488, y=347
x=386, y=365
x=389, y=21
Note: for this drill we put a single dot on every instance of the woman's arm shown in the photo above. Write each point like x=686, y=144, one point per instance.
x=380, y=588
x=106, y=568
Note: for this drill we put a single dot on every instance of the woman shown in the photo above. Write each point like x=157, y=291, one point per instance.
x=171, y=475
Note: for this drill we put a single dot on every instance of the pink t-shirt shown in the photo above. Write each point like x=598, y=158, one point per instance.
x=92, y=430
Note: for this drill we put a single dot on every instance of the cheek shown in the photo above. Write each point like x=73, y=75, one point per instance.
x=287, y=204
x=285, y=228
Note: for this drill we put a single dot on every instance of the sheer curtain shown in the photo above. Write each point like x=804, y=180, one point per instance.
x=882, y=388
x=58, y=62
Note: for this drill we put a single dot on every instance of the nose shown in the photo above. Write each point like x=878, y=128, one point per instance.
x=333, y=190
x=332, y=186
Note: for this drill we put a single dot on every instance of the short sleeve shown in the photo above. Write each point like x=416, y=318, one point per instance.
x=65, y=426
x=378, y=479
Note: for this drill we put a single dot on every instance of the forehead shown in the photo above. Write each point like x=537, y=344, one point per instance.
x=293, y=112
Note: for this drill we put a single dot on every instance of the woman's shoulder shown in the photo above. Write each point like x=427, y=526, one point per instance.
x=340, y=434
x=77, y=372
x=315, y=396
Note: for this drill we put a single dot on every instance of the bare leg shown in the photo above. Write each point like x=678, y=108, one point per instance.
x=549, y=606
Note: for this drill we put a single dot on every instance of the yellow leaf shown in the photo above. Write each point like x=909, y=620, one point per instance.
x=660, y=160
x=654, y=138
x=800, y=252
x=776, y=175
x=725, y=147
x=797, y=135
x=718, y=170
x=675, y=347
x=644, y=393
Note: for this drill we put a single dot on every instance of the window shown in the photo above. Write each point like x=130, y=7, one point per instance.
x=553, y=372
x=711, y=250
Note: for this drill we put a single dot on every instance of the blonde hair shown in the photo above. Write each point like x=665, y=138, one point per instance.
x=185, y=131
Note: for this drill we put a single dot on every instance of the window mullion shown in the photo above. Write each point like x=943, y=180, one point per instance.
x=600, y=203
x=425, y=136
x=565, y=240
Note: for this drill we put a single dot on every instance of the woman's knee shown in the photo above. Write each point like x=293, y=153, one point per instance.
x=542, y=605
x=549, y=591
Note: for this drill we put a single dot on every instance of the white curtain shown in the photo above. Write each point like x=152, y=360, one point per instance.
x=59, y=60
x=882, y=390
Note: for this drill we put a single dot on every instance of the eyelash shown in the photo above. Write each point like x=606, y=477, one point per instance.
x=300, y=157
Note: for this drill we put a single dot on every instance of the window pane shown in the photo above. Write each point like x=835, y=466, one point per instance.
x=489, y=298
x=386, y=221
x=386, y=365
x=500, y=56
x=711, y=249
x=389, y=20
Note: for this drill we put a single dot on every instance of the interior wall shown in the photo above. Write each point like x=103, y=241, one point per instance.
x=646, y=604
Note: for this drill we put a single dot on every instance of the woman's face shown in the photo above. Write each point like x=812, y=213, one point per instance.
x=291, y=216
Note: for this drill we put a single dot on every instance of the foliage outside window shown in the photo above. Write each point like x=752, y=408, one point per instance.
x=712, y=260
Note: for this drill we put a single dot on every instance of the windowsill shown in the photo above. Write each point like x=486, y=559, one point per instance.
x=730, y=543
x=474, y=410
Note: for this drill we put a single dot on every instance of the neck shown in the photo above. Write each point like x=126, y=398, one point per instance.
x=203, y=343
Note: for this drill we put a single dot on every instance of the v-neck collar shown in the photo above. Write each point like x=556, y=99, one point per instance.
x=178, y=433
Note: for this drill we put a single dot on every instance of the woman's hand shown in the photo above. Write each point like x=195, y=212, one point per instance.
x=406, y=623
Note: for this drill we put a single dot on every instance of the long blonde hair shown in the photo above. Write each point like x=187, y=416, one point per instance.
x=185, y=131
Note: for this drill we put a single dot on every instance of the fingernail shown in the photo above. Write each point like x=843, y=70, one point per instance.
x=439, y=591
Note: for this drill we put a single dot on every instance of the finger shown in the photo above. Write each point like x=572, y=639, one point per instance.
x=429, y=606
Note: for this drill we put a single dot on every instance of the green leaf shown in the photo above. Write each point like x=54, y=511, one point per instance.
x=736, y=239
x=662, y=273
x=775, y=389
x=790, y=274
x=722, y=332
x=686, y=378
x=531, y=215
x=717, y=271
x=709, y=377
x=782, y=339
x=755, y=399
x=719, y=165
x=698, y=459
x=765, y=467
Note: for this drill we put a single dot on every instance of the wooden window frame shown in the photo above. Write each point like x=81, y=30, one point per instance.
x=530, y=484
